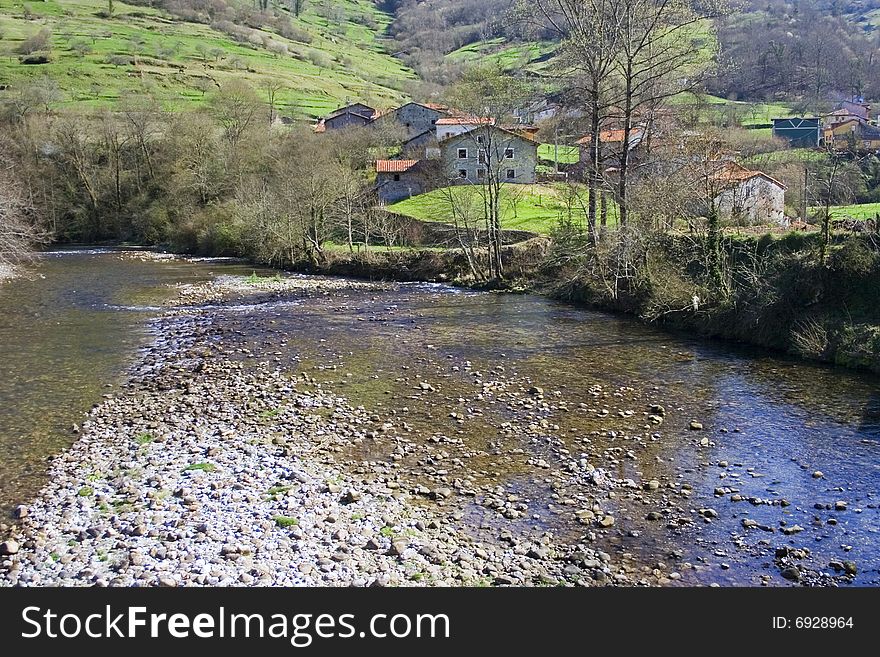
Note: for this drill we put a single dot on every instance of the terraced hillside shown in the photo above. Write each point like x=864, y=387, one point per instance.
x=331, y=53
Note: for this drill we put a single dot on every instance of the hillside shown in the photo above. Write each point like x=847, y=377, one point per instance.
x=330, y=53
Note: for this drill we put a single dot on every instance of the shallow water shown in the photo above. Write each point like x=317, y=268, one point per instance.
x=73, y=329
x=67, y=334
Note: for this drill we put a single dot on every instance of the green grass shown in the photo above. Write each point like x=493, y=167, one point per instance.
x=205, y=467
x=256, y=279
x=182, y=62
x=714, y=109
x=536, y=208
x=786, y=156
x=532, y=55
x=859, y=211
x=567, y=154
x=285, y=521
x=86, y=491
x=143, y=438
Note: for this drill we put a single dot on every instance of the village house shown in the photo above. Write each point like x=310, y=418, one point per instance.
x=853, y=134
x=468, y=156
x=610, y=143
x=799, y=131
x=357, y=114
x=414, y=118
x=397, y=180
x=749, y=197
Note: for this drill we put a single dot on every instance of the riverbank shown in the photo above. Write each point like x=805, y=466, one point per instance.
x=208, y=469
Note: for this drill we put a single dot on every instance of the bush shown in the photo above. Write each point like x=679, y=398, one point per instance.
x=855, y=260
x=319, y=59
x=41, y=41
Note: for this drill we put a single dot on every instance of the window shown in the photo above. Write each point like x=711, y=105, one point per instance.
x=396, y=177
x=511, y=174
x=482, y=157
x=462, y=173
x=481, y=139
x=481, y=174
x=508, y=153
x=462, y=154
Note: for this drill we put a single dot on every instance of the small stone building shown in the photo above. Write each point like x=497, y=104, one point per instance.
x=397, y=180
x=414, y=118
x=357, y=114
x=750, y=197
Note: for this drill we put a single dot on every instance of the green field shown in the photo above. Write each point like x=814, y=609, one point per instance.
x=715, y=109
x=566, y=154
x=532, y=55
x=862, y=211
x=536, y=208
x=96, y=59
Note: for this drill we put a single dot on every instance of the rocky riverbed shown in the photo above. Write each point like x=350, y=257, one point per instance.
x=294, y=430
x=205, y=471
x=6, y=272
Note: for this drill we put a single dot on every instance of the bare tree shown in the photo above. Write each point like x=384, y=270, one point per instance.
x=833, y=181
x=656, y=60
x=590, y=30
x=490, y=96
x=18, y=228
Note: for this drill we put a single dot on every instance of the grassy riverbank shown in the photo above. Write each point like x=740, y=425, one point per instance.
x=777, y=293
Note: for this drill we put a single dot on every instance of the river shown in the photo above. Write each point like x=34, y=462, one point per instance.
x=771, y=425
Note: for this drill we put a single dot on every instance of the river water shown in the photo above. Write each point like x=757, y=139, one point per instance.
x=68, y=333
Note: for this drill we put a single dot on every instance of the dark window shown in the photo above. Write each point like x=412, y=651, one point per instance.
x=481, y=174
x=511, y=174
x=396, y=177
x=462, y=154
x=482, y=157
x=462, y=173
x=508, y=153
x=481, y=139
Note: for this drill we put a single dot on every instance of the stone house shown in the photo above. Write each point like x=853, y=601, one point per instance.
x=399, y=179
x=357, y=114
x=470, y=157
x=424, y=145
x=414, y=118
x=749, y=197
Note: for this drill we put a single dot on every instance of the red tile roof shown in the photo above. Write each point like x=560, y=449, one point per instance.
x=732, y=172
x=394, y=166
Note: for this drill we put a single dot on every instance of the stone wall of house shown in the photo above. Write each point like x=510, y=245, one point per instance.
x=409, y=183
x=522, y=163
x=754, y=201
x=345, y=120
x=415, y=119
x=419, y=146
